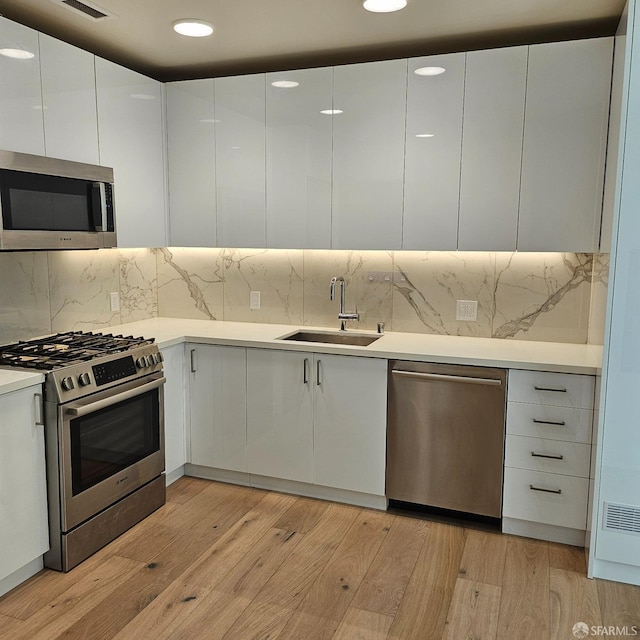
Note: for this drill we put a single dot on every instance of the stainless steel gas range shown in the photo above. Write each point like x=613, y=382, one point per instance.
x=104, y=432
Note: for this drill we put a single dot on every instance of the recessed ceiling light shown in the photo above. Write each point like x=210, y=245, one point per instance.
x=424, y=135
x=193, y=28
x=331, y=112
x=18, y=54
x=384, y=6
x=429, y=71
x=285, y=84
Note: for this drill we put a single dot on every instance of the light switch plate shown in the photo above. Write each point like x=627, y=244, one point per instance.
x=467, y=310
x=254, y=300
x=115, y=301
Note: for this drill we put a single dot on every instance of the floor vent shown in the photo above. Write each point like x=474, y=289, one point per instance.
x=622, y=518
x=90, y=11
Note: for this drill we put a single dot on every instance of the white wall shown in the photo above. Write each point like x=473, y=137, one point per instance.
x=616, y=555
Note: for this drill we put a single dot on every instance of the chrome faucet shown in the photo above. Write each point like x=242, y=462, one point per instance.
x=343, y=316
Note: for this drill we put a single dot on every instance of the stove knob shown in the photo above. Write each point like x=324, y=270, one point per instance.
x=152, y=359
x=160, y=357
x=84, y=379
x=141, y=362
x=67, y=383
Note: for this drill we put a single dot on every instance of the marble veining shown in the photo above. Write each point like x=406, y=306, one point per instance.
x=190, y=283
x=138, y=284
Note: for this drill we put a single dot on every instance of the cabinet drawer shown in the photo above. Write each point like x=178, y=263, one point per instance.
x=548, y=498
x=557, y=389
x=544, y=421
x=553, y=456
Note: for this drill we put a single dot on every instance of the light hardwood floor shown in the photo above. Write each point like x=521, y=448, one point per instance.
x=232, y=563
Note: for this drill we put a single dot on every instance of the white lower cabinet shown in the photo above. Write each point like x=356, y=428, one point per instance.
x=174, y=412
x=280, y=414
x=317, y=418
x=217, y=406
x=24, y=529
x=548, y=455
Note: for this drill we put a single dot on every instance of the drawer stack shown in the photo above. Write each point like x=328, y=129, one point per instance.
x=547, y=455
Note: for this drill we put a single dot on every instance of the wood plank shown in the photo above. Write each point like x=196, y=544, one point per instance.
x=208, y=569
x=60, y=614
x=278, y=599
x=135, y=594
x=185, y=488
x=358, y=624
x=567, y=558
x=524, y=611
x=326, y=602
x=384, y=584
x=474, y=611
x=483, y=557
x=10, y=626
x=573, y=598
x=619, y=603
x=423, y=611
x=302, y=516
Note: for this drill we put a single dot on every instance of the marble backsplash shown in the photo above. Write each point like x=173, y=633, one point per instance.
x=557, y=297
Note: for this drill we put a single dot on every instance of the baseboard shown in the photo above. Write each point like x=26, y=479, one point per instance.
x=22, y=574
x=540, y=531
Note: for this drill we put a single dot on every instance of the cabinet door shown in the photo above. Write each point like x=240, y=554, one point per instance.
x=174, y=408
x=565, y=138
x=21, y=124
x=191, y=161
x=368, y=155
x=279, y=414
x=299, y=159
x=240, y=160
x=495, y=82
x=131, y=134
x=432, y=163
x=69, y=95
x=350, y=417
x=24, y=529
x=217, y=392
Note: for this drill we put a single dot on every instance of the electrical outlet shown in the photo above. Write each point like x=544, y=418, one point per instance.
x=467, y=310
x=115, y=301
x=380, y=276
x=254, y=300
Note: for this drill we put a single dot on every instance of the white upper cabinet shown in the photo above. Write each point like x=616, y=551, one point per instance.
x=298, y=149
x=432, y=163
x=191, y=158
x=131, y=136
x=240, y=160
x=69, y=97
x=21, y=125
x=565, y=138
x=368, y=155
x=494, y=97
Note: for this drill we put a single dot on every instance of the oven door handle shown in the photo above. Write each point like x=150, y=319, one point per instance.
x=83, y=409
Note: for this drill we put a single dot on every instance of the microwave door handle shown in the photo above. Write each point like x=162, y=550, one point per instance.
x=99, y=206
x=78, y=410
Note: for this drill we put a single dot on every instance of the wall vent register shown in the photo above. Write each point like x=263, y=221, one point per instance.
x=622, y=518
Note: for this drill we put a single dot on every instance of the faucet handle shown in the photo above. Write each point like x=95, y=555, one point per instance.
x=380, y=327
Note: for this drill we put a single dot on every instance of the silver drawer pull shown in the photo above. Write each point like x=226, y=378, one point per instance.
x=556, y=423
x=560, y=390
x=534, y=488
x=551, y=456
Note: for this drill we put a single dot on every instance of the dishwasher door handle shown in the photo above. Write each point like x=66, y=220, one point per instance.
x=494, y=382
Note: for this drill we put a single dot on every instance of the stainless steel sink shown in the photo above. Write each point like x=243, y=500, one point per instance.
x=343, y=337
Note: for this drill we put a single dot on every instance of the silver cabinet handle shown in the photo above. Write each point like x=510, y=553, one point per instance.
x=318, y=369
x=534, y=488
x=556, y=423
x=194, y=360
x=446, y=378
x=305, y=371
x=551, y=456
x=39, y=405
x=559, y=390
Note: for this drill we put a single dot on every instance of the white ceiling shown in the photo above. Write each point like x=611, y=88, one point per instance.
x=270, y=35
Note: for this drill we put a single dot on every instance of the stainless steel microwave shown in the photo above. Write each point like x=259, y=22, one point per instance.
x=46, y=203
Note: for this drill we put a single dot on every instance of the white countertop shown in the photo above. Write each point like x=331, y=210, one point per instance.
x=513, y=354
x=14, y=380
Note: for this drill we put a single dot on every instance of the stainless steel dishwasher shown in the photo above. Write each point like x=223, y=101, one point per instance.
x=445, y=436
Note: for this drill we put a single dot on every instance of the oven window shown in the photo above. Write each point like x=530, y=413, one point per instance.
x=109, y=440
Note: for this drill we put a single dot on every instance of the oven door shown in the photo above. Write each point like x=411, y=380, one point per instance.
x=111, y=443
